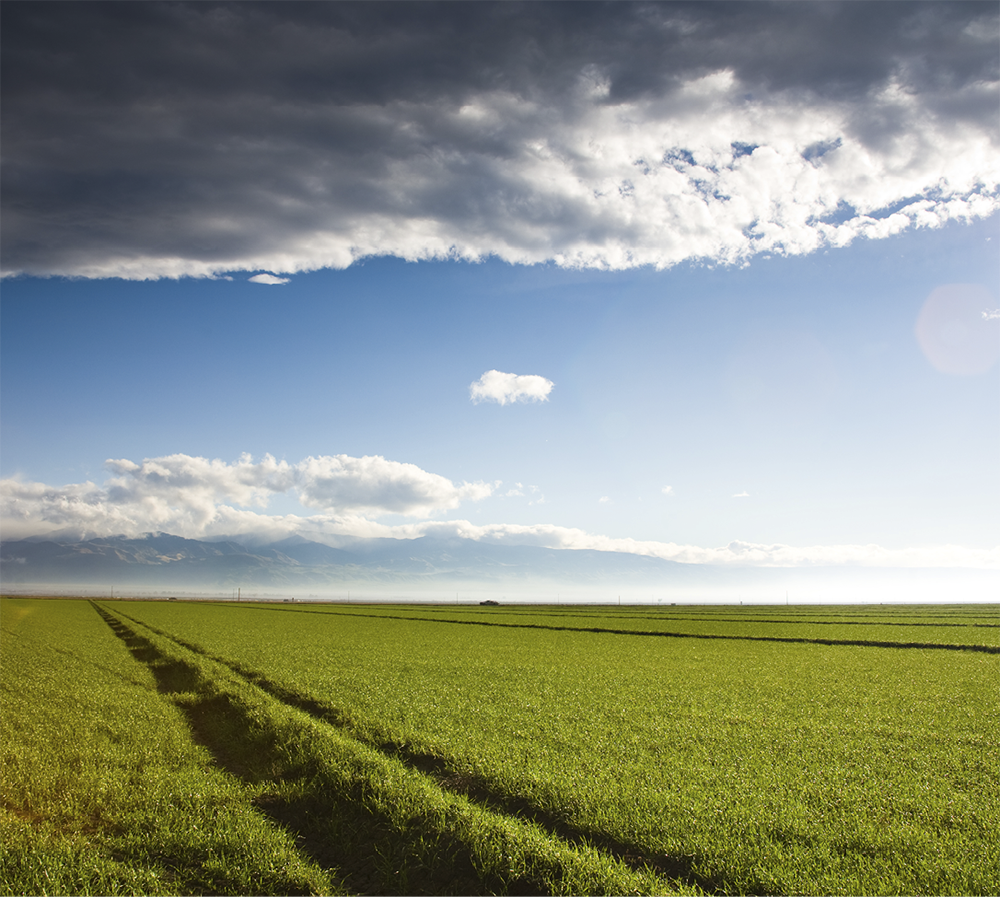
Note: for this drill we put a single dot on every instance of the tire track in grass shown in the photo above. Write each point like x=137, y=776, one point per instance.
x=604, y=630
x=245, y=749
x=477, y=789
x=220, y=722
x=118, y=798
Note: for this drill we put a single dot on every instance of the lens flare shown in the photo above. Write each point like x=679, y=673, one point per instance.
x=954, y=334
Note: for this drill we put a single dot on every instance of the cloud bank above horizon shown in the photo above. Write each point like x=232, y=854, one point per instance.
x=294, y=137
x=200, y=498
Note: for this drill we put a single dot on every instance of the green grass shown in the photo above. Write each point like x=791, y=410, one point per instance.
x=103, y=790
x=556, y=750
x=742, y=765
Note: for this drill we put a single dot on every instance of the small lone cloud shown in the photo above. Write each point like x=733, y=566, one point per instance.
x=505, y=389
x=741, y=495
x=667, y=490
x=604, y=500
x=992, y=315
x=268, y=279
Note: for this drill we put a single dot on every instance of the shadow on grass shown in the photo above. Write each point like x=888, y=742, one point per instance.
x=172, y=676
x=482, y=792
x=329, y=814
x=477, y=789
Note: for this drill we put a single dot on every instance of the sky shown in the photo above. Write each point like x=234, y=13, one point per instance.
x=712, y=282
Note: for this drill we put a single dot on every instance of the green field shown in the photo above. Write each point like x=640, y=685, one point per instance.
x=174, y=747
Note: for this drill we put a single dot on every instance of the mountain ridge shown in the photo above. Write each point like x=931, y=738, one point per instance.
x=174, y=560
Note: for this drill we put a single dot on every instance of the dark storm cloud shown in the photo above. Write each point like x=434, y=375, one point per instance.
x=148, y=139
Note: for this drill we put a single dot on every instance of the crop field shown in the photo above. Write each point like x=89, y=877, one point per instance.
x=173, y=747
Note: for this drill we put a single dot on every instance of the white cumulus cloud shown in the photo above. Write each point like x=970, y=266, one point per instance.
x=372, y=485
x=198, y=497
x=504, y=389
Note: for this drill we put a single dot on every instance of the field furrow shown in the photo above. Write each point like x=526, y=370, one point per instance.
x=385, y=821
x=445, y=749
x=102, y=789
x=980, y=636
x=743, y=765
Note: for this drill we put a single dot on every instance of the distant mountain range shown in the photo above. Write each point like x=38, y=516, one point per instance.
x=160, y=560
x=436, y=568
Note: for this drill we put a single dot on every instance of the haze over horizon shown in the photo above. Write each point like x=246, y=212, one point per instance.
x=714, y=283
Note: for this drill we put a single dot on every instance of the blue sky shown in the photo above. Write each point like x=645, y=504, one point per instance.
x=745, y=380
x=799, y=381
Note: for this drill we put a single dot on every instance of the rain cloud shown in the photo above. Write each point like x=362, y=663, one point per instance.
x=155, y=140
